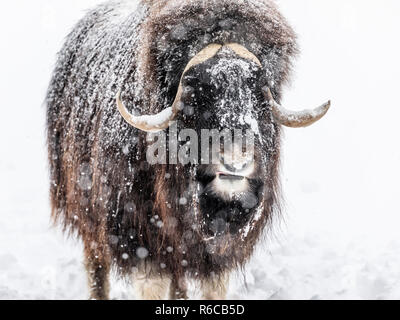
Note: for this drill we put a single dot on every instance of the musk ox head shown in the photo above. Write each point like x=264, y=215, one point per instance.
x=225, y=105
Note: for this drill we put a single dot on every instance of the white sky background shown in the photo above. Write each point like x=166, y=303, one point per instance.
x=340, y=177
x=350, y=160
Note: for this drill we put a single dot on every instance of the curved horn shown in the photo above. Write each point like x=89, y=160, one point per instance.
x=162, y=120
x=243, y=52
x=295, y=119
x=146, y=123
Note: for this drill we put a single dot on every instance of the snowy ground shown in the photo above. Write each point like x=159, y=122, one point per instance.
x=339, y=238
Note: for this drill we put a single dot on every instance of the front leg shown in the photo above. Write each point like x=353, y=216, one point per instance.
x=215, y=287
x=98, y=269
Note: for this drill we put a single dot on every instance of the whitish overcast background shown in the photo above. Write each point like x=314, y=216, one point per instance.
x=341, y=176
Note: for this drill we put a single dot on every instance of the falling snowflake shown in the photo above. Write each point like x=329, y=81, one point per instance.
x=125, y=256
x=130, y=207
x=142, y=253
x=183, y=201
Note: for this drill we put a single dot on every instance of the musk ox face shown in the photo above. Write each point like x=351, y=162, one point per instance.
x=223, y=95
x=224, y=91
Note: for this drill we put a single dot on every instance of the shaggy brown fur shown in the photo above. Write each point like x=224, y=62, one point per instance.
x=102, y=188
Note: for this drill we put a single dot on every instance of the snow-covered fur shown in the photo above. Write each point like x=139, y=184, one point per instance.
x=127, y=212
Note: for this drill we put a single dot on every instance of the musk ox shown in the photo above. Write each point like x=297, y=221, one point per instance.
x=129, y=68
